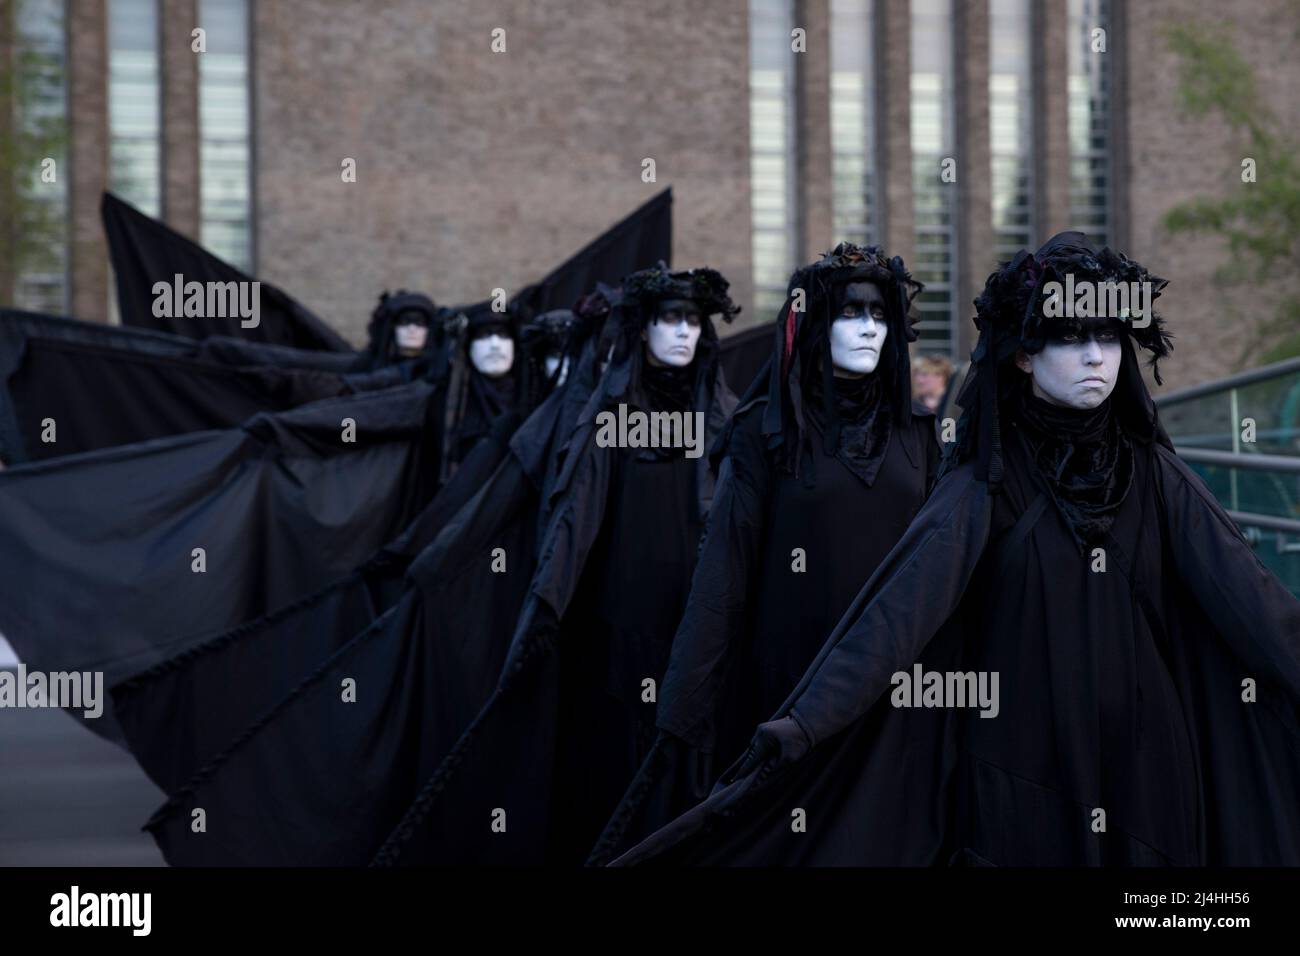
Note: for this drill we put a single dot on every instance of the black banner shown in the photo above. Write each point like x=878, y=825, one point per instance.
x=145, y=252
x=68, y=386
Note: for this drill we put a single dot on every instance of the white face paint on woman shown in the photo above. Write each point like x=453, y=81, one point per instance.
x=493, y=354
x=859, y=331
x=1077, y=370
x=411, y=337
x=673, y=334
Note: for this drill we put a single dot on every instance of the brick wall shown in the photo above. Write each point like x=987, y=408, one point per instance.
x=478, y=169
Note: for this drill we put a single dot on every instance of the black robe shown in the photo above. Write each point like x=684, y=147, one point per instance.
x=754, y=623
x=278, y=505
x=485, y=400
x=179, y=714
x=618, y=636
x=107, y=385
x=423, y=665
x=1120, y=691
x=536, y=774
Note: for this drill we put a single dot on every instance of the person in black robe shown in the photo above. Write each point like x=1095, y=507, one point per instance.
x=405, y=327
x=420, y=630
x=573, y=715
x=1148, y=663
x=486, y=379
x=824, y=466
x=542, y=341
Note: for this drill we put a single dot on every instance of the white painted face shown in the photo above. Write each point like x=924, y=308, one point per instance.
x=411, y=337
x=492, y=355
x=858, y=333
x=1077, y=371
x=673, y=334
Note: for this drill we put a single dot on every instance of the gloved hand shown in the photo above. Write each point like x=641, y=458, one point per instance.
x=778, y=742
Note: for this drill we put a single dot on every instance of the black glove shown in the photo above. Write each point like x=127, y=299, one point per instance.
x=780, y=742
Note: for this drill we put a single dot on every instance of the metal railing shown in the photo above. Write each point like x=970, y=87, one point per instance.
x=1241, y=434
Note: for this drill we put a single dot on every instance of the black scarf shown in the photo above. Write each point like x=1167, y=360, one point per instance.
x=495, y=396
x=667, y=388
x=1083, y=458
x=864, y=421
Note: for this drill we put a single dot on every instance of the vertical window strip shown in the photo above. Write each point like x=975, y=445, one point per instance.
x=853, y=134
x=225, y=149
x=134, y=108
x=1089, y=119
x=772, y=151
x=934, y=201
x=40, y=127
x=1010, y=127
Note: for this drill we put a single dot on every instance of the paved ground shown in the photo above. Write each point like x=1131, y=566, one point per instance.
x=68, y=797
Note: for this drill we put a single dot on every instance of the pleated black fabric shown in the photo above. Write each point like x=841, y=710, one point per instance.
x=278, y=506
x=424, y=663
x=99, y=386
x=1120, y=693
x=179, y=714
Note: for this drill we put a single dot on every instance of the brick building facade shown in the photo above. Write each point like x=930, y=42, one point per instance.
x=477, y=168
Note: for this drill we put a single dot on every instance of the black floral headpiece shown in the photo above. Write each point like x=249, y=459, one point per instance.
x=1011, y=315
x=850, y=262
x=1015, y=297
x=805, y=330
x=548, y=331
x=705, y=287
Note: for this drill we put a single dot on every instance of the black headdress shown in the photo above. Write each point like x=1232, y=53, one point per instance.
x=1011, y=315
x=543, y=335
x=393, y=310
x=802, y=347
x=635, y=307
x=482, y=316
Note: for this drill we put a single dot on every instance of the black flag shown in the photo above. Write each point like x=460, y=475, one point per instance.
x=639, y=241
x=145, y=251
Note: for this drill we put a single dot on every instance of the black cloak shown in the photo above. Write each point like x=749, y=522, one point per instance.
x=792, y=532
x=278, y=505
x=1126, y=731
x=536, y=774
x=179, y=714
x=423, y=662
x=107, y=385
x=475, y=400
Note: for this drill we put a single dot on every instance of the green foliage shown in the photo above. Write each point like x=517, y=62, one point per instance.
x=1260, y=221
